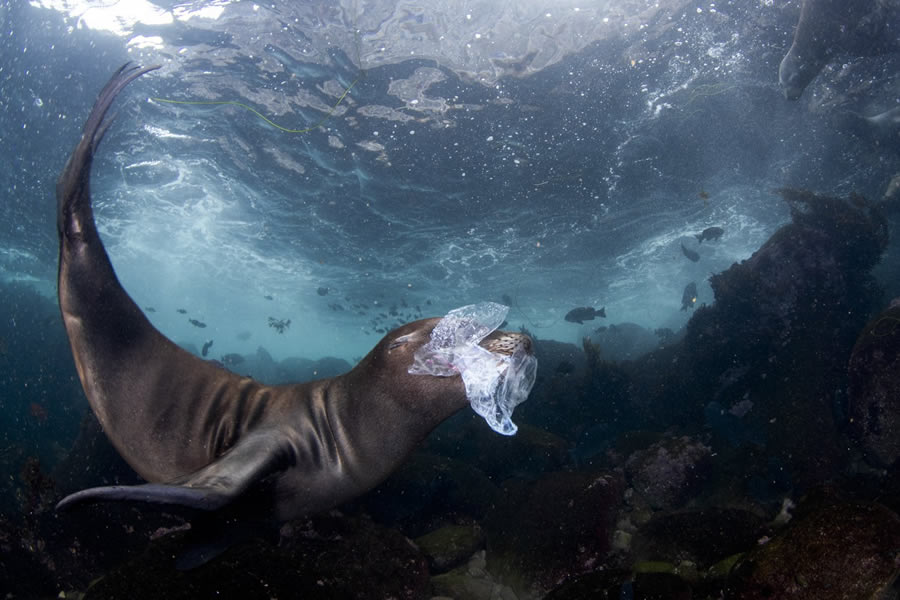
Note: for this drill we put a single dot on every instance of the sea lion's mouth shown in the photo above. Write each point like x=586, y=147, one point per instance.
x=507, y=343
x=497, y=367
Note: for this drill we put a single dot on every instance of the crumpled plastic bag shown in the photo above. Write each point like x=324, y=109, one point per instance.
x=495, y=383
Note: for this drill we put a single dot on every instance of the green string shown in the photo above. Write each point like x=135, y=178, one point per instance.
x=259, y=114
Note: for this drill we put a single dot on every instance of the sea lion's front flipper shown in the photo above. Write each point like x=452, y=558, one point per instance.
x=216, y=485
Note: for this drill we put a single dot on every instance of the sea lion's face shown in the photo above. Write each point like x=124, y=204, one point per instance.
x=795, y=73
x=413, y=336
x=394, y=355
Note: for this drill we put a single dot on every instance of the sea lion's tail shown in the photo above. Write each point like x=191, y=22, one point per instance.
x=73, y=187
x=133, y=376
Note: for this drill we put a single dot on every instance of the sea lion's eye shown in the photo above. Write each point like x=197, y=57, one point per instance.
x=403, y=339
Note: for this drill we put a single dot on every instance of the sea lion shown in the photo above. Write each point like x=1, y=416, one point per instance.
x=207, y=439
x=828, y=28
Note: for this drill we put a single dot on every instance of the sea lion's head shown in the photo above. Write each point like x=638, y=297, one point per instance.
x=385, y=369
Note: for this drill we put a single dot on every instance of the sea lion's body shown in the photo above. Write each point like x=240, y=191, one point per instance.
x=827, y=29
x=206, y=438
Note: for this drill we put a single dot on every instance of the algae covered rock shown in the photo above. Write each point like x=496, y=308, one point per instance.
x=548, y=530
x=703, y=537
x=430, y=491
x=327, y=557
x=670, y=472
x=605, y=584
x=777, y=340
x=451, y=545
x=471, y=581
x=874, y=388
x=838, y=551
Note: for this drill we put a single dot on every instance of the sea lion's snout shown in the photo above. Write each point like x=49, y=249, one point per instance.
x=507, y=343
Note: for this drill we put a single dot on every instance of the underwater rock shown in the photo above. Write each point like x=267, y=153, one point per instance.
x=543, y=532
x=430, y=491
x=260, y=366
x=450, y=546
x=472, y=582
x=837, y=551
x=625, y=341
x=780, y=334
x=703, y=537
x=40, y=555
x=551, y=404
x=325, y=557
x=604, y=584
x=874, y=370
x=661, y=585
x=22, y=573
x=587, y=407
x=529, y=453
x=616, y=584
x=670, y=472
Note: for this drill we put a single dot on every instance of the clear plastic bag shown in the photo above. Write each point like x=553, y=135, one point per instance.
x=495, y=383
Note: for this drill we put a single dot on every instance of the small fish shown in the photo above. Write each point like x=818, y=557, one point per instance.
x=279, y=325
x=197, y=323
x=244, y=336
x=181, y=311
x=268, y=297
x=150, y=309
x=689, y=297
x=232, y=359
x=322, y=291
x=584, y=313
x=206, y=346
x=693, y=255
x=710, y=233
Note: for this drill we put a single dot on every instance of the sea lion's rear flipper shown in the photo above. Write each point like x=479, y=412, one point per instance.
x=211, y=488
x=72, y=190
